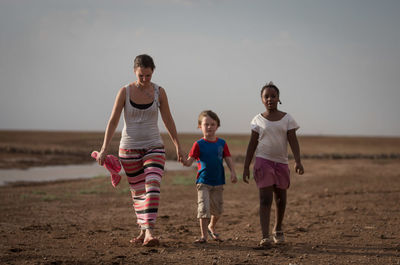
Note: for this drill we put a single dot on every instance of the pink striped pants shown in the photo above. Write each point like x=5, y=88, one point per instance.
x=144, y=169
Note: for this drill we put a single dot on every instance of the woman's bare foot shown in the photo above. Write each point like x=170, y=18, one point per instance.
x=149, y=240
x=139, y=239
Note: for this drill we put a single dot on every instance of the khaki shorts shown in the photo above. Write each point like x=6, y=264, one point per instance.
x=209, y=200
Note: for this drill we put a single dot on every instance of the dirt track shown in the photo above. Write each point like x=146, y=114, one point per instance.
x=340, y=212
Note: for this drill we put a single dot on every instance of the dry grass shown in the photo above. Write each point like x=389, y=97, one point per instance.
x=37, y=148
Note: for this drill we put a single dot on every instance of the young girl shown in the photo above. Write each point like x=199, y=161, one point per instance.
x=270, y=133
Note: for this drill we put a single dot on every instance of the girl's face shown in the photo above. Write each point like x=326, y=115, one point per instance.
x=270, y=98
x=208, y=127
x=143, y=75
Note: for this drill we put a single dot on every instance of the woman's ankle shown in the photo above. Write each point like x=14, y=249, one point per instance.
x=148, y=233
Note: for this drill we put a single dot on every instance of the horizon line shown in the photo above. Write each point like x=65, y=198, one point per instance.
x=193, y=132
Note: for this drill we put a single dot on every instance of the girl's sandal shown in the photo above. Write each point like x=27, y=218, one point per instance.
x=278, y=237
x=201, y=240
x=265, y=242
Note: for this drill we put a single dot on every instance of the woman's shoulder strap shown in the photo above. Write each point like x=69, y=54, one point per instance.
x=127, y=92
x=127, y=89
x=157, y=93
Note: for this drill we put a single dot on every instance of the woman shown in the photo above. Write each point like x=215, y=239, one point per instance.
x=141, y=149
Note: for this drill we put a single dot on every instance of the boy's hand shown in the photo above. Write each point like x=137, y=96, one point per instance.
x=233, y=178
x=298, y=167
x=187, y=161
x=246, y=175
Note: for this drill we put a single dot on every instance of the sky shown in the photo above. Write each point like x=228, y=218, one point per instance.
x=336, y=63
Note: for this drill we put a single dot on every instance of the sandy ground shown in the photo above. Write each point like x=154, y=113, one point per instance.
x=342, y=211
x=338, y=213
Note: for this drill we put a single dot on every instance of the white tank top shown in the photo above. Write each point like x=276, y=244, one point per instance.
x=141, y=125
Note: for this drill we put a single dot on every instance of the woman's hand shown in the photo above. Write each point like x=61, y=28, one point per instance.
x=179, y=154
x=101, y=158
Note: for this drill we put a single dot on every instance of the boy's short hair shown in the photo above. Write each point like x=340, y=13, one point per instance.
x=211, y=114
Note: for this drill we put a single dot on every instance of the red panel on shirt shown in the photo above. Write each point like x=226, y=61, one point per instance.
x=195, y=151
x=226, y=151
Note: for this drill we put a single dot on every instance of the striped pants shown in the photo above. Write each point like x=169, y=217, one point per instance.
x=144, y=169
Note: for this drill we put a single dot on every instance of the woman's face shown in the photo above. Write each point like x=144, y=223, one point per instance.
x=143, y=75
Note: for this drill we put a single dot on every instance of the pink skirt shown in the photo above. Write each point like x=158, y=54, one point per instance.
x=269, y=173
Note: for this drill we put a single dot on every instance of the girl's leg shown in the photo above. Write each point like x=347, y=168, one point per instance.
x=280, y=203
x=266, y=196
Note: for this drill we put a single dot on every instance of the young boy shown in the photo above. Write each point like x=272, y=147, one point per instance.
x=209, y=153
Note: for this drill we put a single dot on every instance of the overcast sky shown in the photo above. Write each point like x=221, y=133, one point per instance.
x=337, y=63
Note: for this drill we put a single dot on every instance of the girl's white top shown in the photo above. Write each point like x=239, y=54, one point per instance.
x=141, y=125
x=272, y=140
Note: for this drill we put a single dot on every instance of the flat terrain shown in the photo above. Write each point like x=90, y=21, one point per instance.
x=22, y=149
x=343, y=210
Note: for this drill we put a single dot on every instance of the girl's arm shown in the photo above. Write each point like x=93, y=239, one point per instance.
x=169, y=122
x=231, y=166
x=294, y=145
x=251, y=148
x=112, y=124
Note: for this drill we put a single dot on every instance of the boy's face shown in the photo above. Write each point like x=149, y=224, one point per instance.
x=208, y=127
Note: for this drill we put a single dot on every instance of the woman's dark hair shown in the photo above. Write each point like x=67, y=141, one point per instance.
x=211, y=114
x=144, y=61
x=271, y=85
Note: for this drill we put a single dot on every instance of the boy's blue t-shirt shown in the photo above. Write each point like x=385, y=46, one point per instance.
x=209, y=156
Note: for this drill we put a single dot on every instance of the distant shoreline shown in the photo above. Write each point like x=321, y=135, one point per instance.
x=25, y=149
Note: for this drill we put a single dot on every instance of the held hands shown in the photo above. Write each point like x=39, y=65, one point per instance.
x=298, y=167
x=187, y=162
x=179, y=155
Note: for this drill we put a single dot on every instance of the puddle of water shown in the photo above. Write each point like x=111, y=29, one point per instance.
x=51, y=173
